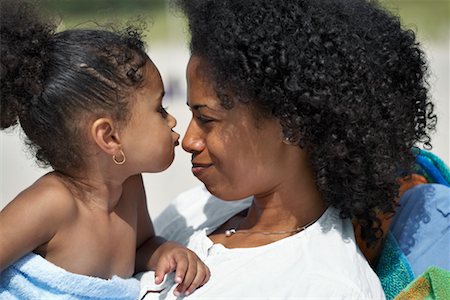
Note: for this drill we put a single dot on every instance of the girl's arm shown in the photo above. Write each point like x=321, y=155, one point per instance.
x=155, y=253
x=31, y=219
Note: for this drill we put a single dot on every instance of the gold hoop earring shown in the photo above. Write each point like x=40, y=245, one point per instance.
x=287, y=141
x=119, y=162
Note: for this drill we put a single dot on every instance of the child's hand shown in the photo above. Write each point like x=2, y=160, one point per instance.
x=191, y=272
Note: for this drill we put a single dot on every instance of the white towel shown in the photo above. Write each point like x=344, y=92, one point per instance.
x=151, y=290
x=33, y=277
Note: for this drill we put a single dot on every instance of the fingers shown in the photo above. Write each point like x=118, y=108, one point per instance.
x=187, y=279
x=182, y=269
x=196, y=274
x=164, y=266
x=200, y=279
x=190, y=271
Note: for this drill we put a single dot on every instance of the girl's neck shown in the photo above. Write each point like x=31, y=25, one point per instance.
x=95, y=190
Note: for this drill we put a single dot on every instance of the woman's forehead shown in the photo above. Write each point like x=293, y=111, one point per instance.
x=201, y=92
x=196, y=69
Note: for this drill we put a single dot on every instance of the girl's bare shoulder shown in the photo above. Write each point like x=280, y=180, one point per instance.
x=51, y=186
x=34, y=217
x=47, y=194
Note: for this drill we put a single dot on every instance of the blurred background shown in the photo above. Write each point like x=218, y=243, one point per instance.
x=167, y=43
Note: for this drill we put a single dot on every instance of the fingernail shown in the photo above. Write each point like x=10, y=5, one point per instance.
x=178, y=279
x=187, y=293
x=176, y=293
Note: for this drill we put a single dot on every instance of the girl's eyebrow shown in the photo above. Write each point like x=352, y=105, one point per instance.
x=160, y=97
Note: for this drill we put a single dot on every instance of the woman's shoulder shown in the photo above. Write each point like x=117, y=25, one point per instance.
x=332, y=246
x=333, y=234
x=326, y=260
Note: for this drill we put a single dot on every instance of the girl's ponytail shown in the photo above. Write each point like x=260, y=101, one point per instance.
x=25, y=36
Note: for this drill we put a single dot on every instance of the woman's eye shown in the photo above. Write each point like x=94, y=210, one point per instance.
x=163, y=111
x=203, y=120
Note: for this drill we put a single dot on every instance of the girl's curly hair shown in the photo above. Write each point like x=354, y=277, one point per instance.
x=53, y=82
x=346, y=81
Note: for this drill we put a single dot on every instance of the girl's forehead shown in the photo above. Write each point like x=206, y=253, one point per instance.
x=150, y=68
x=151, y=85
x=150, y=71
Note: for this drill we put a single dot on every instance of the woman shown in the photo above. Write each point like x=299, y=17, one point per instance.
x=309, y=109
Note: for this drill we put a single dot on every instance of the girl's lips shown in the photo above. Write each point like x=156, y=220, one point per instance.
x=177, y=139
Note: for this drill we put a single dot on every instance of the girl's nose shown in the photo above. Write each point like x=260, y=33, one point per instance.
x=172, y=120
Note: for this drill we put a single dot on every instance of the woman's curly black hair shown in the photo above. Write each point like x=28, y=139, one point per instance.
x=346, y=81
x=53, y=82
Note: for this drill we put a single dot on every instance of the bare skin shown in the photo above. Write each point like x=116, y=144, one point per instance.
x=236, y=156
x=95, y=222
x=77, y=235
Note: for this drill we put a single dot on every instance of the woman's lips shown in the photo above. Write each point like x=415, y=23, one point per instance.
x=198, y=168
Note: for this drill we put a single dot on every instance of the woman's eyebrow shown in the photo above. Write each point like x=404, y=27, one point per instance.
x=199, y=106
x=196, y=106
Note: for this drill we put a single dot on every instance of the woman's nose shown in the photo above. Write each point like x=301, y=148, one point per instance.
x=193, y=140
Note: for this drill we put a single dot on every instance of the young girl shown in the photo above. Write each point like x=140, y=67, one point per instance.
x=89, y=102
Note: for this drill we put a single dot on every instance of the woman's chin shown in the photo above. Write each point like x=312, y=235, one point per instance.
x=225, y=193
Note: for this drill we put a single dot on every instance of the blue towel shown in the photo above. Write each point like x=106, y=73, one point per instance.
x=421, y=226
x=33, y=277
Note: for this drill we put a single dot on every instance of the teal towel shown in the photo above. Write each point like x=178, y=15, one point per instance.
x=432, y=167
x=393, y=268
x=430, y=171
x=33, y=277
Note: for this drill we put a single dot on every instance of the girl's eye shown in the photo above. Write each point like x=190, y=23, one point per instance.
x=162, y=110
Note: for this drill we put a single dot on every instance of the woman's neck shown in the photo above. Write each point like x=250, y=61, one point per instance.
x=292, y=201
x=280, y=211
x=292, y=204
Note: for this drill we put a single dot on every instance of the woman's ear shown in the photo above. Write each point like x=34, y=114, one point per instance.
x=106, y=135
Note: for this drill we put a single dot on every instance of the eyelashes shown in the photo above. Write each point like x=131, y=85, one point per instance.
x=163, y=111
x=200, y=118
x=203, y=120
